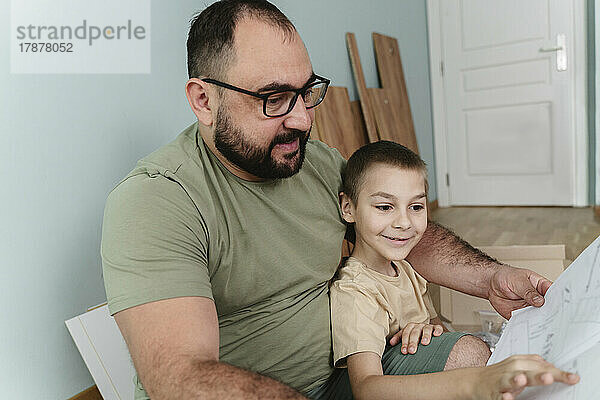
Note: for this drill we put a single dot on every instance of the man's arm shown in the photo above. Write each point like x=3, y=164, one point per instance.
x=174, y=345
x=444, y=258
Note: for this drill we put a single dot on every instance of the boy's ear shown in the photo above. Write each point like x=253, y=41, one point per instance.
x=347, y=208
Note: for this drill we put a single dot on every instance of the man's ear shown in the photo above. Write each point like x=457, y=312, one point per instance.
x=198, y=94
x=347, y=208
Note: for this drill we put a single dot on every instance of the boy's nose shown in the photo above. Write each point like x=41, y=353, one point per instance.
x=401, y=222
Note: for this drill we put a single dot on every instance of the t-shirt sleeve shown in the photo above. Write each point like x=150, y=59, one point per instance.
x=359, y=323
x=429, y=305
x=425, y=294
x=154, y=244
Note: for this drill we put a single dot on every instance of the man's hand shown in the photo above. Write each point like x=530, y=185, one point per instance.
x=442, y=257
x=412, y=333
x=513, y=288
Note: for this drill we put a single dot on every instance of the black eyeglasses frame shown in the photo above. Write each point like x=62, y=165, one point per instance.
x=264, y=96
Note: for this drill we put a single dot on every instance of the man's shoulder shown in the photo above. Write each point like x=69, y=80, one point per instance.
x=165, y=162
x=158, y=174
x=325, y=161
x=318, y=151
x=170, y=157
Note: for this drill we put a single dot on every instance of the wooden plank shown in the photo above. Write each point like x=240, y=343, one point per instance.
x=391, y=76
x=327, y=121
x=386, y=116
x=361, y=86
x=336, y=122
x=91, y=393
x=359, y=122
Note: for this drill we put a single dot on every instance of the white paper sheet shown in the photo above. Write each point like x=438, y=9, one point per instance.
x=565, y=331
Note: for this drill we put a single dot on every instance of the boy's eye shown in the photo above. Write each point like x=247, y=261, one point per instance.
x=417, y=207
x=383, y=207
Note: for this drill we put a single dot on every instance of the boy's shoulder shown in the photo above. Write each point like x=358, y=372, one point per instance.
x=355, y=273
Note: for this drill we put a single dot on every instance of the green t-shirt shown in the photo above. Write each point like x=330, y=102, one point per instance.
x=180, y=224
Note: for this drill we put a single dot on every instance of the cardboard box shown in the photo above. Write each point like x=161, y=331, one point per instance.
x=462, y=309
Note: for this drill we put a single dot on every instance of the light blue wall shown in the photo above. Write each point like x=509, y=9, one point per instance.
x=66, y=140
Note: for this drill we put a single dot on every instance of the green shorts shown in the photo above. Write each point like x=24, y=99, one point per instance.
x=427, y=359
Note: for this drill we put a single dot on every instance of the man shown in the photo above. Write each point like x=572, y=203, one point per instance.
x=217, y=249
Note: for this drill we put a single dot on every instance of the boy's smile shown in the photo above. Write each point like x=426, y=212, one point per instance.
x=390, y=215
x=397, y=240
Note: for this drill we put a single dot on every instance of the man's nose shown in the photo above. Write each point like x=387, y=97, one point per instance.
x=299, y=118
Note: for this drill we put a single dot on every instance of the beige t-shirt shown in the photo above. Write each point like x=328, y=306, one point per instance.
x=367, y=307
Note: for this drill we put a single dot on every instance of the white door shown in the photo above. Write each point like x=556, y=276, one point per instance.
x=508, y=97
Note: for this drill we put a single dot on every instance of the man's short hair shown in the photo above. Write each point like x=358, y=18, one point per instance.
x=382, y=152
x=211, y=36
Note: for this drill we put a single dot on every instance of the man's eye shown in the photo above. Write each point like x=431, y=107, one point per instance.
x=384, y=207
x=310, y=92
x=276, y=99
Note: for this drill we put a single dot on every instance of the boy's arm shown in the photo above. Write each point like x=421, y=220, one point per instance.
x=503, y=380
x=443, y=258
x=368, y=382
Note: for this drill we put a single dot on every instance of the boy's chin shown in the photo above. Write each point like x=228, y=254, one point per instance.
x=398, y=255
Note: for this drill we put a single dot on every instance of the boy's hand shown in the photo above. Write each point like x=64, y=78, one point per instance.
x=412, y=333
x=508, y=378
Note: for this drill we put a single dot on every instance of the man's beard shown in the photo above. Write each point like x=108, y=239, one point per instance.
x=230, y=142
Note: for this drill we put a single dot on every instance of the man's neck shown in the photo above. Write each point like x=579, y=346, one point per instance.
x=207, y=136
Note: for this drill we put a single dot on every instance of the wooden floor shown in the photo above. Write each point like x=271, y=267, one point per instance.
x=501, y=226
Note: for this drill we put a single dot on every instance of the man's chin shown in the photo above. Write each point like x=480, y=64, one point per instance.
x=288, y=165
x=292, y=157
x=287, y=169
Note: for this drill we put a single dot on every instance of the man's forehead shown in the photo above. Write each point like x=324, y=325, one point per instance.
x=265, y=53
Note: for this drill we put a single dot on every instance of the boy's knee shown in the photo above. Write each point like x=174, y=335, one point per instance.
x=469, y=351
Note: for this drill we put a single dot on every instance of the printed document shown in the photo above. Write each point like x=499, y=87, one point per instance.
x=565, y=330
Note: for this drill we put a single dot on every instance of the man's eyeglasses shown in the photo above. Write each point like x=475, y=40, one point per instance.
x=280, y=102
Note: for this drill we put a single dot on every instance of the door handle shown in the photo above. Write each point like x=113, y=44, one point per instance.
x=560, y=50
x=549, y=49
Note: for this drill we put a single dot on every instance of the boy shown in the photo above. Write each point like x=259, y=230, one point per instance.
x=378, y=293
